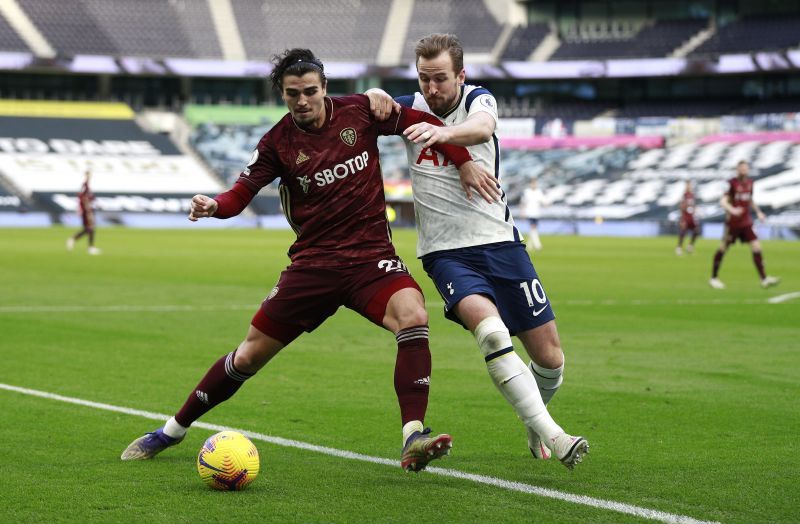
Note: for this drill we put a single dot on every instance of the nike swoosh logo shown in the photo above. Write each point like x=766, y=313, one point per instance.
x=537, y=313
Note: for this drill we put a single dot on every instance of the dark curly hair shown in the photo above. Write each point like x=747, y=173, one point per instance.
x=295, y=62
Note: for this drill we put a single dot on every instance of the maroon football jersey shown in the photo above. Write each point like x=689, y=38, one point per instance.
x=687, y=204
x=85, y=198
x=740, y=194
x=331, y=185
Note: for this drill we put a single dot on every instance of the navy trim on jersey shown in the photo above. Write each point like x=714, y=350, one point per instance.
x=496, y=144
x=405, y=100
x=475, y=93
x=456, y=106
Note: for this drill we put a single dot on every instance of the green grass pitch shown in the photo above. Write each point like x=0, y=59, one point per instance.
x=688, y=395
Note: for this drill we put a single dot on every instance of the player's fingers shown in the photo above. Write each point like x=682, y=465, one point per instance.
x=494, y=190
x=426, y=138
x=433, y=136
x=384, y=110
x=487, y=195
x=483, y=191
x=198, y=201
x=410, y=129
x=467, y=191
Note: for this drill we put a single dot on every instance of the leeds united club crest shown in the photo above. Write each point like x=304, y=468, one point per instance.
x=348, y=136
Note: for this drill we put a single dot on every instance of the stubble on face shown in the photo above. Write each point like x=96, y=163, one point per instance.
x=305, y=98
x=439, y=84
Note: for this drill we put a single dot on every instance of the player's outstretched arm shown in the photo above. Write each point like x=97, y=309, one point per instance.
x=472, y=176
x=225, y=205
x=202, y=207
x=476, y=129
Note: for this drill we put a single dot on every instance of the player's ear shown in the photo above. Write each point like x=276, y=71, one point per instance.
x=462, y=76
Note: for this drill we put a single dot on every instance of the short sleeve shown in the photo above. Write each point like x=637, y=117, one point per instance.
x=480, y=99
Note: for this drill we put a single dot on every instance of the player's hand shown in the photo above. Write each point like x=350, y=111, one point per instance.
x=475, y=177
x=381, y=104
x=202, y=207
x=762, y=217
x=736, y=211
x=427, y=134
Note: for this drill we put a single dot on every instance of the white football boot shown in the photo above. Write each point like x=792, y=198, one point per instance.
x=568, y=449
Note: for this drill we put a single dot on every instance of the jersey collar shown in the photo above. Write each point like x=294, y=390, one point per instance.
x=455, y=106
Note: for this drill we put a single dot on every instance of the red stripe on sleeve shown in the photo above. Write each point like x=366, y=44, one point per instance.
x=457, y=154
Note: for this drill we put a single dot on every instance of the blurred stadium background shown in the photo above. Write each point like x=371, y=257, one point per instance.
x=611, y=104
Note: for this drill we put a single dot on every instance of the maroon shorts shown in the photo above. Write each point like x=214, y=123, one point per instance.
x=305, y=296
x=742, y=234
x=688, y=222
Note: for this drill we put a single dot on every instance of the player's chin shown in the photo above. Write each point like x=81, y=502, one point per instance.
x=304, y=119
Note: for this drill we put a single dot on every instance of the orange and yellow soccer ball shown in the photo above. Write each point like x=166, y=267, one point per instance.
x=228, y=461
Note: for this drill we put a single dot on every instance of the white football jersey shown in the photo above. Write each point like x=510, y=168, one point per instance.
x=446, y=219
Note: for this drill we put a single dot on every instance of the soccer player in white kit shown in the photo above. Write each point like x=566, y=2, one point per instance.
x=531, y=207
x=471, y=248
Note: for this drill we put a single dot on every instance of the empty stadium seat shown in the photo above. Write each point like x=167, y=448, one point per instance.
x=754, y=33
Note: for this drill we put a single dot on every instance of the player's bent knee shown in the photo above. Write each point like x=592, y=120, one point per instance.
x=414, y=317
x=552, y=358
x=492, y=336
x=406, y=309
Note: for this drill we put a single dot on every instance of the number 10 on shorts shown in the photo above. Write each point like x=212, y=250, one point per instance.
x=534, y=291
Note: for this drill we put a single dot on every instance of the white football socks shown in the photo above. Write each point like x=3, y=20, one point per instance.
x=548, y=380
x=173, y=429
x=513, y=378
x=534, y=240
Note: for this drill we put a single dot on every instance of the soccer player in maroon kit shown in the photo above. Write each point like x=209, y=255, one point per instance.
x=687, y=221
x=85, y=199
x=737, y=202
x=326, y=156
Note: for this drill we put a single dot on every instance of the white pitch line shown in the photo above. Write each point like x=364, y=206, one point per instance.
x=583, y=500
x=784, y=298
x=114, y=308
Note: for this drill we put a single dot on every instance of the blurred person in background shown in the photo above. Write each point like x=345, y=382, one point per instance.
x=85, y=202
x=687, y=221
x=737, y=203
x=530, y=206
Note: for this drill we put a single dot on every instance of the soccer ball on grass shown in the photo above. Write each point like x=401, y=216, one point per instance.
x=228, y=461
